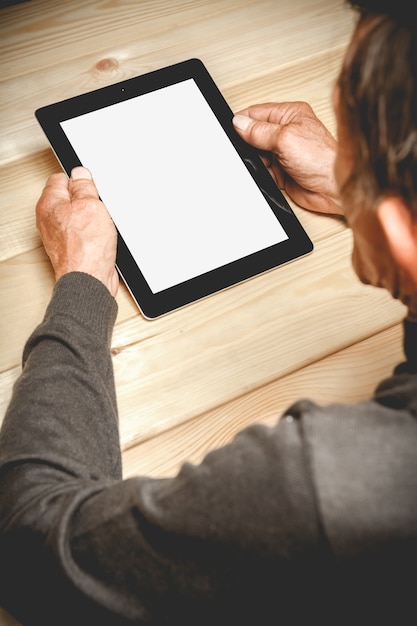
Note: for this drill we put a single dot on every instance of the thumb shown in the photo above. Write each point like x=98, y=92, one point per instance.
x=81, y=184
x=260, y=134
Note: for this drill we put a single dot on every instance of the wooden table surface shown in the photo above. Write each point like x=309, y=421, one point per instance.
x=189, y=381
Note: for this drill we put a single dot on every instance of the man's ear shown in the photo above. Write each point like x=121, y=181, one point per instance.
x=401, y=233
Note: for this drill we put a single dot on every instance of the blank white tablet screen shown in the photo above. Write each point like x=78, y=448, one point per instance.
x=178, y=192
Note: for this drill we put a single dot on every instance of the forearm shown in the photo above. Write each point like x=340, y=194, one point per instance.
x=63, y=409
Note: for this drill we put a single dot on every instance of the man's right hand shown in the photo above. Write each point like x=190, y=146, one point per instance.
x=302, y=151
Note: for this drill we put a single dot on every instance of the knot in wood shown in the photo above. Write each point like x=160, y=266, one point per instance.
x=106, y=65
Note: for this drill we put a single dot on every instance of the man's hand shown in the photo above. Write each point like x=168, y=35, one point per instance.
x=76, y=229
x=301, y=151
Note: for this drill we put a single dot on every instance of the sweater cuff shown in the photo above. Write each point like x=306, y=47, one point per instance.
x=85, y=299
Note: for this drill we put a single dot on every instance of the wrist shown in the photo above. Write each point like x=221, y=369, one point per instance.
x=109, y=278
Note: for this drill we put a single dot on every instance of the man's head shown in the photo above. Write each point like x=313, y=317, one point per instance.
x=376, y=166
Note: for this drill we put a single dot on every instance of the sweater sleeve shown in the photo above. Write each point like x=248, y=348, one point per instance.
x=80, y=545
x=66, y=384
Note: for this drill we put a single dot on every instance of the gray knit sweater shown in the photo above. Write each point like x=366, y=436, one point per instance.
x=314, y=519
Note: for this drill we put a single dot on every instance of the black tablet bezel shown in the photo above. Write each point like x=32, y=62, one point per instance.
x=153, y=305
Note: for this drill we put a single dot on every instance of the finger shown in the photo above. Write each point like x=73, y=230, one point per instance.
x=278, y=112
x=80, y=173
x=262, y=135
x=54, y=192
x=267, y=112
x=278, y=174
x=266, y=158
x=56, y=187
x=81, y=184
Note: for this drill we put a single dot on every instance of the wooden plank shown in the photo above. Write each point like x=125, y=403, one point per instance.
x=227, y=48
x=347, y=376
x=76, y=28
x=22, y=184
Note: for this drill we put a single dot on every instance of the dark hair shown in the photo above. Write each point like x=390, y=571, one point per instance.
x=401, y=11
x=378, y=102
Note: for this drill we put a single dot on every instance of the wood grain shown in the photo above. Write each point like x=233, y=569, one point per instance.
x=236, y=43
x=349, y=375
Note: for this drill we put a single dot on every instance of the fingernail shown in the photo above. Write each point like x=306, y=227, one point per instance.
x=80, y=172
x=242, y=121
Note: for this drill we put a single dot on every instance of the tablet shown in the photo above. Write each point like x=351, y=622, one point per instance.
x=195, y=208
